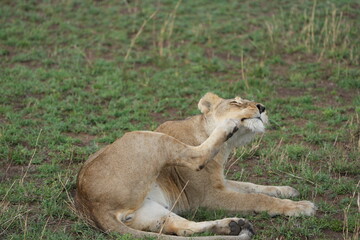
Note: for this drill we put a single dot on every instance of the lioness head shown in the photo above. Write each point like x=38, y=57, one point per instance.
x=251, y=114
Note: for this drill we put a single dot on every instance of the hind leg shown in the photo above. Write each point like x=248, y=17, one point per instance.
x=154, y=217
x=197, y=157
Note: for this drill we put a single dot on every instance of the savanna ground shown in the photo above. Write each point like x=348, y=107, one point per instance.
x=76, y=75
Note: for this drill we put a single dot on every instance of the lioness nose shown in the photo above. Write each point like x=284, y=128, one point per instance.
x=260, y=107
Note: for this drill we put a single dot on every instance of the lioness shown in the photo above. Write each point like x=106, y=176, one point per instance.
x=139, y=183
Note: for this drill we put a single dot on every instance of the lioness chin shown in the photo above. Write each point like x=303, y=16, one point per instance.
x=141, y=182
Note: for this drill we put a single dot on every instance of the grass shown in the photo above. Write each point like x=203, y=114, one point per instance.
x=76, y=75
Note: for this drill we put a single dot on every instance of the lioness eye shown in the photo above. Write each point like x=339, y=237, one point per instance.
x=235, y=103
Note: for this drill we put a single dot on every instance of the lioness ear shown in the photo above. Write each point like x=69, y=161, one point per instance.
x=208, y=101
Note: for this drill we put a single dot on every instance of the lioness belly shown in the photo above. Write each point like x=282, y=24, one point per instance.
x=157, y=194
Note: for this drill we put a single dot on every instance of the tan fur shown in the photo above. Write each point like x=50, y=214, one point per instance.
x=136, y=181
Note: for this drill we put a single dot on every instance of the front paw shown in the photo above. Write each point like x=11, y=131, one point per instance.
x=286, y=191
x=283, y=192
x=292, y=208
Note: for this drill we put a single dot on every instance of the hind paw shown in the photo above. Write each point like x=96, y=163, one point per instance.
x=236, y=227
x=242, y=228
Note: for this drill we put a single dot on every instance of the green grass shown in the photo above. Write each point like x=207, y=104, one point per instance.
x=67, y=88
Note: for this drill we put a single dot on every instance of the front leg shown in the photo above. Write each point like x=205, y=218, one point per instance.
x=275, y=191
x=253, y=202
